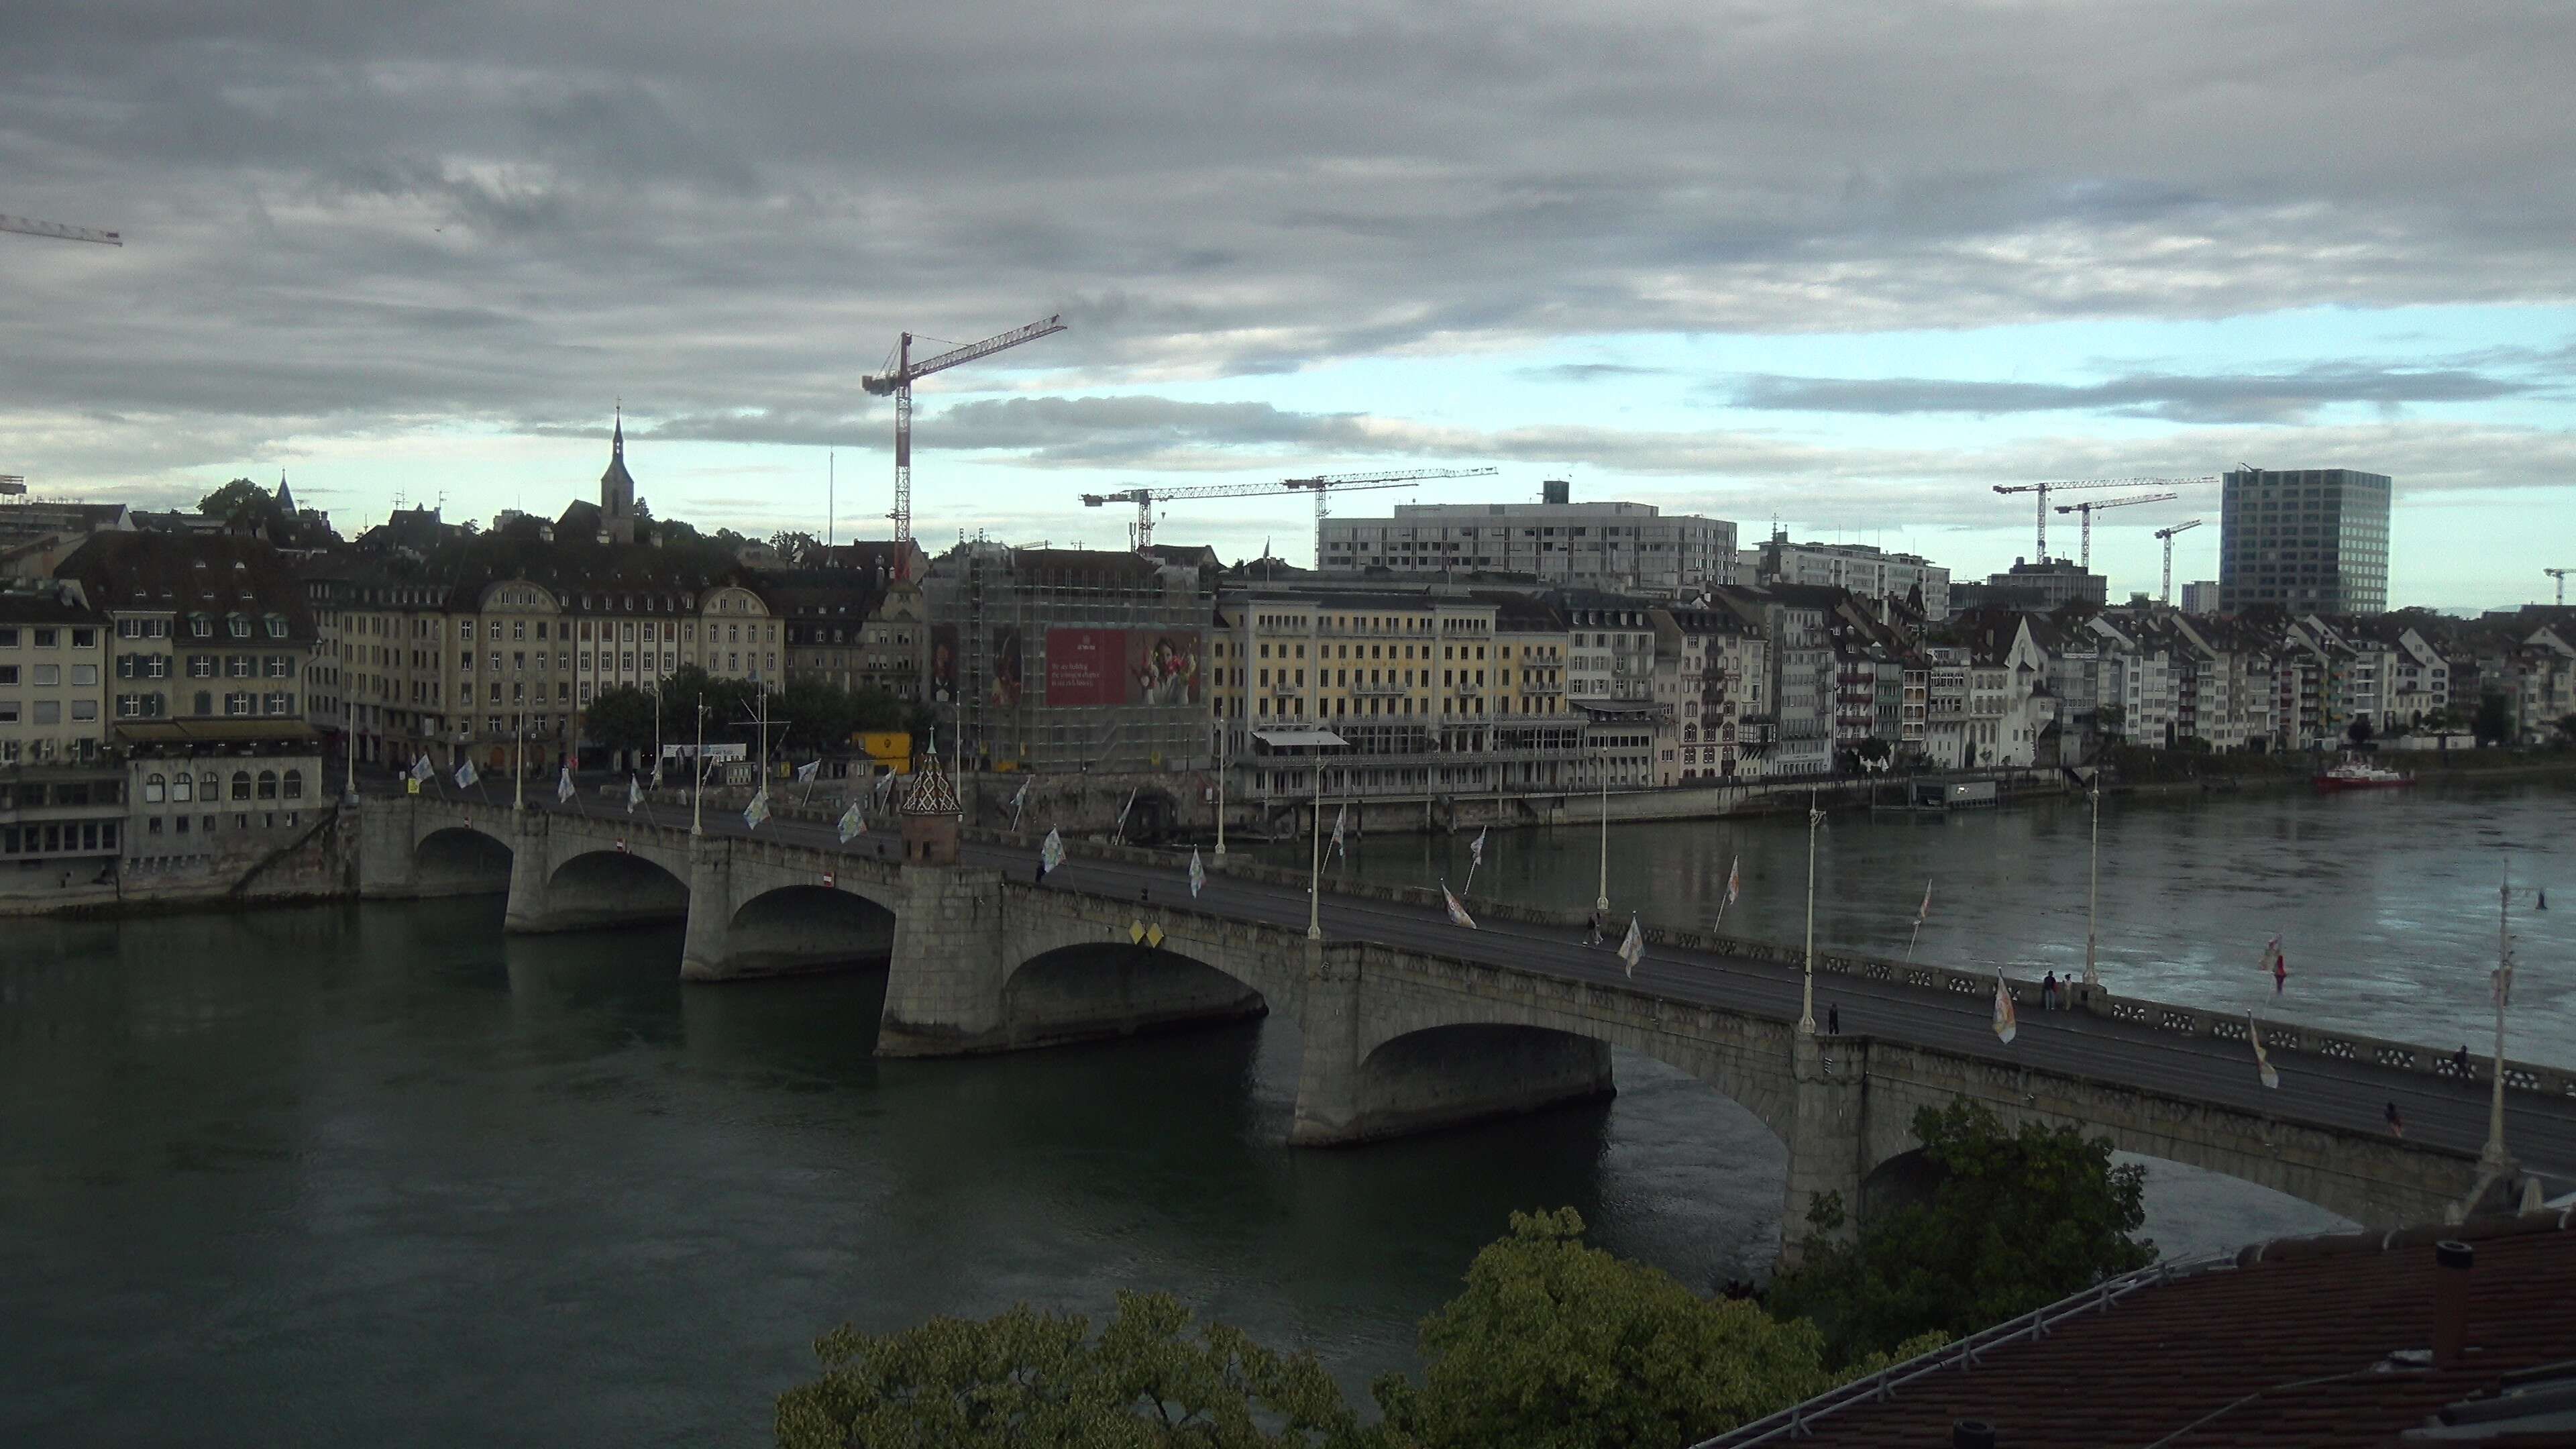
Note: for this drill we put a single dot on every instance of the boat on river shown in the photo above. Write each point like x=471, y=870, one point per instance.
x=2360, y=774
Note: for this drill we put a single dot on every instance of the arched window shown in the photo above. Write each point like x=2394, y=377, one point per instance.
x=241, y=784
x=210, y=787
x=156, y=787
x=179, y=786
x=295, y=784
x=268, y=784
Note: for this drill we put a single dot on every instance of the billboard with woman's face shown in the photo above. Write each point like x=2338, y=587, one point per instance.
x=1121, y=666
x=943, y=663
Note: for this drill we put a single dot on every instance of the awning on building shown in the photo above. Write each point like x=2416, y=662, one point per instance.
x=1301, y=739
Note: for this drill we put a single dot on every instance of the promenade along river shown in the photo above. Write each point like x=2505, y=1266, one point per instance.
x=382, y=1175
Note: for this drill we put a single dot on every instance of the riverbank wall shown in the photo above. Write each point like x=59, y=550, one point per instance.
x=318, y=862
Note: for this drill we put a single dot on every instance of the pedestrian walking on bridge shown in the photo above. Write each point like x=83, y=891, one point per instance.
x=2396, y=1124
x=1833, y=1019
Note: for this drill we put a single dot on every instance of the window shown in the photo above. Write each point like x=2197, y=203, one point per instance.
x=268, y=784
x=201, y=666
x=49, y=674
x=238, y=626
x=156, y=666
x=241, y=784
x=49, y=711
x=156, y=788
x=8, y=673
x=277, y=626
x=46, y=638
x=279, y=702
x=294, y=785
x=201, y=627
x=84, y=709
x=236, y=704
x=240, y=666
x=281, y=666
x=205, y=703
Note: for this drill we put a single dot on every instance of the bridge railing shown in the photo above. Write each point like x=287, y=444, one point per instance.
x=2287, y=1038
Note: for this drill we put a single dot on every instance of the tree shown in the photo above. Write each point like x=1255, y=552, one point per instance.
x=2111, y=719
x=2358, y=731
x=2015, y=1221
x=240, y=503
x=1557, y=1345
x=1031, y=1380
x=2567, y=727
x=796, y=547
x=2493, y=724
x=620, y=719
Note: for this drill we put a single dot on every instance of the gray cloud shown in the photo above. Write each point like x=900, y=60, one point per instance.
x=2237, y=398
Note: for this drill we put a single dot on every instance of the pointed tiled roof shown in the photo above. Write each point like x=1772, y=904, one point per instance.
x=931, y=792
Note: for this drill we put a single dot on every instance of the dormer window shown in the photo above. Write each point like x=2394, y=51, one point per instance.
x=201, y=627
x=277, y=626
x=238, y=626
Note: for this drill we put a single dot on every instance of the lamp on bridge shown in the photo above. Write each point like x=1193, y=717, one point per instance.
x=931, y=816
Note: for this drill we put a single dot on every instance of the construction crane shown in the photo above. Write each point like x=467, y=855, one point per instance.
x=2088, y=509
x=897, y=380
x=1141, y=532
x=60, y=232
x=2561, y=576
x=2167, y=535
x=2044, y=489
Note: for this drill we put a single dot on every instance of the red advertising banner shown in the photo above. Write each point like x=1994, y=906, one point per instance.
x=1086, y=666
x=1121, y=666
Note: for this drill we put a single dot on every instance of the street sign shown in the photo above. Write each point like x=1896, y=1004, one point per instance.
x=827, y=878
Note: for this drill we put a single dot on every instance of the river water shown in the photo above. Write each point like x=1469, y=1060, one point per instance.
x=379, y=1173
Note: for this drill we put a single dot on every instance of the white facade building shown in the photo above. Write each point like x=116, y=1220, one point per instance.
x=1869, y=572
x=1627, y=547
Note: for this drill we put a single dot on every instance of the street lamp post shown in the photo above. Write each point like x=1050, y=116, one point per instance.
x=519, y=761
x=1315, y=875
x=1223, y=730
x=2093, y=893
x=698, y=775
x=2493, y=1157
x=1807, y=980
x=1601, y=901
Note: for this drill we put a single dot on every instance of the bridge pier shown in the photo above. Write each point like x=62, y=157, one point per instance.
x=944, y=985
x=1423, y=1081
x=388, y=859
x=1828, y=1143
x=711, y=907
x=531, y=875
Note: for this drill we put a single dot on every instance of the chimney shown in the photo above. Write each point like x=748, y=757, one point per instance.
x=2452, y=1260
x=1972, y=1434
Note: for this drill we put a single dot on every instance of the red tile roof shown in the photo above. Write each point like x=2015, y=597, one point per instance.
x=2290, y=1345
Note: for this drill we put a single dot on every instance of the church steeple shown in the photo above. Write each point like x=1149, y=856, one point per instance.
x=617, y=487
x=285, y=499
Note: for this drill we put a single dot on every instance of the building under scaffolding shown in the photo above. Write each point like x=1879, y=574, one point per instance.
x=1059, y=659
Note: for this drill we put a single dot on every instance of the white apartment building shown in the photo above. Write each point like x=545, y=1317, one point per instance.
x=53, y=672
x=1628, y=547
x=1869, y=572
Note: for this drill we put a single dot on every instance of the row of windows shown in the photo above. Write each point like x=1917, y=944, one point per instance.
x=49, y=676
x=47, y=711
x=58, y=835
x=49, y=638
x=263, y=785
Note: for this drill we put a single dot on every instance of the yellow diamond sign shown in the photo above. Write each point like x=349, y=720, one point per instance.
x=1136, y=932
x=1154, y=937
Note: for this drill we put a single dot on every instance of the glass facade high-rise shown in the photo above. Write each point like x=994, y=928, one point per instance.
x=2304, y=540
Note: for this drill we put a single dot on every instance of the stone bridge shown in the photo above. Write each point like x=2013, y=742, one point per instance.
x=1397, y=1038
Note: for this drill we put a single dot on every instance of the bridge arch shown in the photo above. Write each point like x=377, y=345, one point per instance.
x=460, y=860
x=1088, y=990
x=805, y=926
x=612, y=888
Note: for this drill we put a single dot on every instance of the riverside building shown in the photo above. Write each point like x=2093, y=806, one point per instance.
x=2304, y=540
x=1631, y=547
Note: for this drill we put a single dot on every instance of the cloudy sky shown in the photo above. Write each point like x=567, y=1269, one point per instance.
x=1848, y=265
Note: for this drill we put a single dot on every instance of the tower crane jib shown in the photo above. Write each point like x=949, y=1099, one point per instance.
x=897, y=380
x=1141, y=532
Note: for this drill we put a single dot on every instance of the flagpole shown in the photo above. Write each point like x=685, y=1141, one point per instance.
x=519, y=764
x=1807, y=987
x=1315, y=875
x=1917, y=933
x=1223, y=733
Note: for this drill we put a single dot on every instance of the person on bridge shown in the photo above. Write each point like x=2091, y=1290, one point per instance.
x=2396, y=1124
x=2048, y=992
x=2460, y=1060
x=1833, y=1018
x=1593, y=936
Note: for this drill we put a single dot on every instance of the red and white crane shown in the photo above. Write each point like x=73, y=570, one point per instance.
x=2167, y=536
x=2088, y=509
x=60, y=232
x=2068, y=485
x=897, y=380
x=1141, y=532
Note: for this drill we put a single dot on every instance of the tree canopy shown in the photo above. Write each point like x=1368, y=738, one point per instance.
x=2014, y=1221
x=1558, y=1345
x=2493, y=723
x=1032, y=1380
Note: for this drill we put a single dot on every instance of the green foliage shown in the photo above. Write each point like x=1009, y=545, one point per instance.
x=621, y=718
x=2567, y=726
x=2017, y=1220
x=823, y=716
x=239, y=502
x=2359, y=730
x=1556, y=1345
x=729, y=703
x=2494, y=721
x=1031, y=1380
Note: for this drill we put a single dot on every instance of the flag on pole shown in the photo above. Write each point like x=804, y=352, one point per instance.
x=465, y=776
x=1198, y=874
x=420, y=768
x=2006, y=1024
x=852, y=823
x=1476, y=848
x=1122, y=813
x=1924, y=910
x=563, y=784
x=885, y=788
x=1632, y=949
x=1051, y=854
x=1339, y=820
x=757, y=811
x=634, y=794
x=2262, y=1063
x=806, y=772
x=1457, y=913
x=1019, y=798
x=1734, y=880
x=657, y=771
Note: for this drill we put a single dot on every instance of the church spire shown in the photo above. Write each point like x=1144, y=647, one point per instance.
x=617, y=439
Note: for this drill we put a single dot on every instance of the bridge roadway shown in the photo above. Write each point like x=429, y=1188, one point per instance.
x=2539, y=1130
